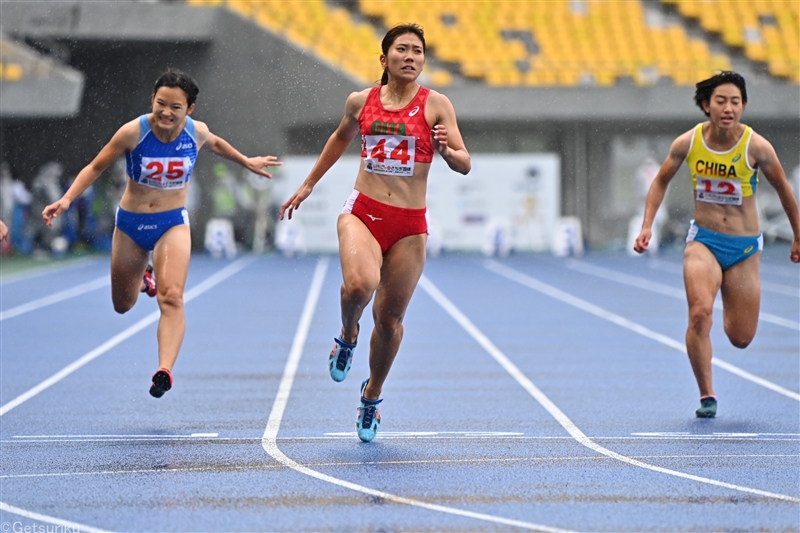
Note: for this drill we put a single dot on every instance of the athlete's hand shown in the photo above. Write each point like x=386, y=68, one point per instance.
x=3, y=231
x=53, y=210
x=794, y=255
x=643, y=240
x=297, y=198
x=439, y=139
x=256, y=164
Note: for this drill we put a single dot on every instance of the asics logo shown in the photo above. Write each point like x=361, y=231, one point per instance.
x=155, y=226
x=372, y=218
x=183, y=145
x=413, y=111
x=749, y=249
x=738, y=157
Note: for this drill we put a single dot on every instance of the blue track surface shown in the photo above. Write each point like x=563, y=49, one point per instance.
x=529, y=393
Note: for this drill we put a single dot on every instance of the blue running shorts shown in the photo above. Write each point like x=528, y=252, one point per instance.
x=728, y=249
x=146, y=228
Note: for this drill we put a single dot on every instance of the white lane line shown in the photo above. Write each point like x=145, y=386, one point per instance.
x=780, y=289
x=55, y=298
x=556, y=413
x=770, y=270
x=350, y=436
x=560, y=295
x=652, y=286
x=196, y=291
x=233, y=468
x=35, y=272
x=269, y=440
x=62, y=525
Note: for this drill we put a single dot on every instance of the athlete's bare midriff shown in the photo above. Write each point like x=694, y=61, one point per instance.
x=407, y=192
x=740, y=220
x=143, y=199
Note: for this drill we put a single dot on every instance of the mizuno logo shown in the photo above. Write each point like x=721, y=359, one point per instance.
x=413, y=111
x=372, y=218
x=738, y=157
x=748, y=249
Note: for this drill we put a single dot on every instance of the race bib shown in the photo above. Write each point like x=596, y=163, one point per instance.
x=165, y=172
x=391, y=155
x=713, y=191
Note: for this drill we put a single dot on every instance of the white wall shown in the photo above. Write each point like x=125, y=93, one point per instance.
x=518, y=194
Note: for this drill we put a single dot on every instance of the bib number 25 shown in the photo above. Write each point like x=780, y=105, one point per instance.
x=166, y=172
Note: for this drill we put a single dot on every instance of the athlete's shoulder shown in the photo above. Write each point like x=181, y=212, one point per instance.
x=128, y=134
x=683, y=144
x=759, y=147
x=356, y=101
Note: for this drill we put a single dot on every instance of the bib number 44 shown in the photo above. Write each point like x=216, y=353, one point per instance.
x=391, y=155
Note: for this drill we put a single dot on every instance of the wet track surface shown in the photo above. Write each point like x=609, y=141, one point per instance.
x=459, y=430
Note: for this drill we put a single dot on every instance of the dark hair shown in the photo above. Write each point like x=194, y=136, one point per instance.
x=705, y=88
x=392, y=35
x=178, y=78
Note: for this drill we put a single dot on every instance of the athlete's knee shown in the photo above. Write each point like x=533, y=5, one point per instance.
x=740, y=339
x=387, y=325
x=358, y=289
x=700, y=319
x=122, y=306
x=170, y=298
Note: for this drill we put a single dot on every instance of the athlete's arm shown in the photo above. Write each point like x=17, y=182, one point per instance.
x=336, y=146
x=221, y=147
x=658, y=189
x=446, y=137
x=124, y=140
x=767, y=160
x=3, y=231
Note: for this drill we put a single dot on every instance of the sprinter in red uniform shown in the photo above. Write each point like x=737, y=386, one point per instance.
x=382, y=228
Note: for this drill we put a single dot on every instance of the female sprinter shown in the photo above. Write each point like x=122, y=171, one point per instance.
x=161, y=148
x=724, y=241
x=382, y=228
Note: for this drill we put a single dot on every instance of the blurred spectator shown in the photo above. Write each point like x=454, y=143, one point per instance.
x=20, y=215
x=45, y=189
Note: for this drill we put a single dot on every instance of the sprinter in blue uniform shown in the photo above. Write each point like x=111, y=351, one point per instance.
x=160, y=148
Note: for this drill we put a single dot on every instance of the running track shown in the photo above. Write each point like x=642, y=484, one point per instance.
x=530, y=393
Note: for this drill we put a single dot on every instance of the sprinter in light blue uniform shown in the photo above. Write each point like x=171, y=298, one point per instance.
x=160, y=149
x=724, y=241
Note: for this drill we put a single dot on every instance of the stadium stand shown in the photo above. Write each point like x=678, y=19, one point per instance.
x=766, y=30
x=35, y=85
x=330, y=33
x=555, y=43
x=561, y=43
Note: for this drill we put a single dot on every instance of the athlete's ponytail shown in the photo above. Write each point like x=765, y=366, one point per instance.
x=392, y=35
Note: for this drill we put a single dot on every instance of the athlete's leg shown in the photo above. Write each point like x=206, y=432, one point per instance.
x=402, y=268
x=128, y=261
x=741, y=300
x=703, y=277
x=171, y=257
x=361, y=260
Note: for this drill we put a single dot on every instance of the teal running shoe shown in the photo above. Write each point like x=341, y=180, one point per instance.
x=369, y=417
x=708, y=407
x=341, y=359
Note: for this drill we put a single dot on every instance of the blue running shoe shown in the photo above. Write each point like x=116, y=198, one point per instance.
x=708, y=407
x=341, y=359
x=369, y=417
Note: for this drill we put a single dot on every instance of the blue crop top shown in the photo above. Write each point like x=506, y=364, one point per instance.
x=162, y=165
